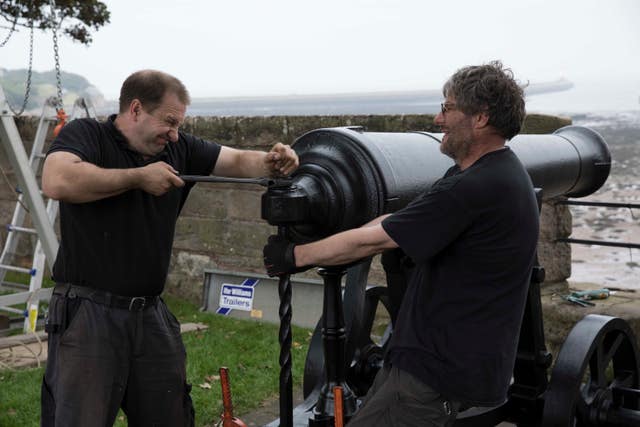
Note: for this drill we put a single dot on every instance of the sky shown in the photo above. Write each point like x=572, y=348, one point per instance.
x=285, y=47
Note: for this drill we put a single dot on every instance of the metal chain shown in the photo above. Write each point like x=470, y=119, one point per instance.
x=13, y=28
x=56, y=55
x=29, y=72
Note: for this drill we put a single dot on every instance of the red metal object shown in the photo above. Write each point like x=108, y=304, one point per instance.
x=338, y=413
x=228, y=420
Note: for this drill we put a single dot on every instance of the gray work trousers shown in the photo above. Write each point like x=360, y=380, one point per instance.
x=398, y=399
x=103, y=357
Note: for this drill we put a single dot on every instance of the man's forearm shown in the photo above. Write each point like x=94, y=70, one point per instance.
x=345, y=247
x=376, y=221
x=253, y=164
x=85, y=182
x=241, y=163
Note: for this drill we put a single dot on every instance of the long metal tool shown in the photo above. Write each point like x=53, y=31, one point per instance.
x=265, y=182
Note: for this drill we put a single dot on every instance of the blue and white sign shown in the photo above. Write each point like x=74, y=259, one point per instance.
x=226, y=309
x=236, y=297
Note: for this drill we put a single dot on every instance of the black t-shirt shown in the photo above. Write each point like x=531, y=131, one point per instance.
x=473, y=237
x=122, y=244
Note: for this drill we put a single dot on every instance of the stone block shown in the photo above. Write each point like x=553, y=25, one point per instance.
x=247, y=239
x=207, y=201
x=555, y=257
x=219, y=129
x=245, y=205
x=186, y=275
x=259, y=132
x=199, y=234
x=555, y=221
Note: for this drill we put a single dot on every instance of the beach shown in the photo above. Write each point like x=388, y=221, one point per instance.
x=611, y=267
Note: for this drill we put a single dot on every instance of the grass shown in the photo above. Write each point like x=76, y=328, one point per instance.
x=249, y=349
x=20, y=397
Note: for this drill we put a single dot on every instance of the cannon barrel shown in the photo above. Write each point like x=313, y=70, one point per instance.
x=348, y=176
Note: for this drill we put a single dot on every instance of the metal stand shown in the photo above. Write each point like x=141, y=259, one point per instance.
x=333, y=338
x=284, y=336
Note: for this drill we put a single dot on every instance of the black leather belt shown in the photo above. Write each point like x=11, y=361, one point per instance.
x=106, y=298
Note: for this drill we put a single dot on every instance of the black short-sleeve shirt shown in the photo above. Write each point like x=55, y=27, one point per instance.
x=472, y=236
x=122, y=244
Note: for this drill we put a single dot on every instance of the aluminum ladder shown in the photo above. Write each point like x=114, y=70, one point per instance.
x=30, y=202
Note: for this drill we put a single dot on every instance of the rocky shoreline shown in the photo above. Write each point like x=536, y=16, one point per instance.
x=611, y=266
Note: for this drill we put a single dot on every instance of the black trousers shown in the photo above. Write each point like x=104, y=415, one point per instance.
x=398, y=399
x=103, y=356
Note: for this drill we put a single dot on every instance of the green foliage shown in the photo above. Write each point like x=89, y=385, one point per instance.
x=77, y=17
x=249, y=349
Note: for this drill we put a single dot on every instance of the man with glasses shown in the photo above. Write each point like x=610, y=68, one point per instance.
x=472, y=237
x=112, y=341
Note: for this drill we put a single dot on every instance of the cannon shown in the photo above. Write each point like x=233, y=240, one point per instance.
x=348, y=176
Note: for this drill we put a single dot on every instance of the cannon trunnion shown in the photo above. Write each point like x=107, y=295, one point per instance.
x=348, y=177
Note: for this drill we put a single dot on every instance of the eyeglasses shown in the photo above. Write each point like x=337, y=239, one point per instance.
x=447, y=106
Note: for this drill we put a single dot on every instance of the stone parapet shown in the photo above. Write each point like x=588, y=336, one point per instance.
x=220, y=225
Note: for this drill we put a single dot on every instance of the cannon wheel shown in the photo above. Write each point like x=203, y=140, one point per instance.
x=598, y=359
x=364, y=353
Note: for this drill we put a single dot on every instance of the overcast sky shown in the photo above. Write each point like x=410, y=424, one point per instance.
x=259, y=47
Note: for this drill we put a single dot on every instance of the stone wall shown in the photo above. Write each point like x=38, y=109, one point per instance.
x=220, y=226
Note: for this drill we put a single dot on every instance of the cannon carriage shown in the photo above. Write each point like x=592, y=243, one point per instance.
x=347, y=177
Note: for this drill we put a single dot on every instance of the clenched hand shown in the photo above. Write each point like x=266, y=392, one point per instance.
x=158, y=178
x=279, y=257
x=281, y=160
